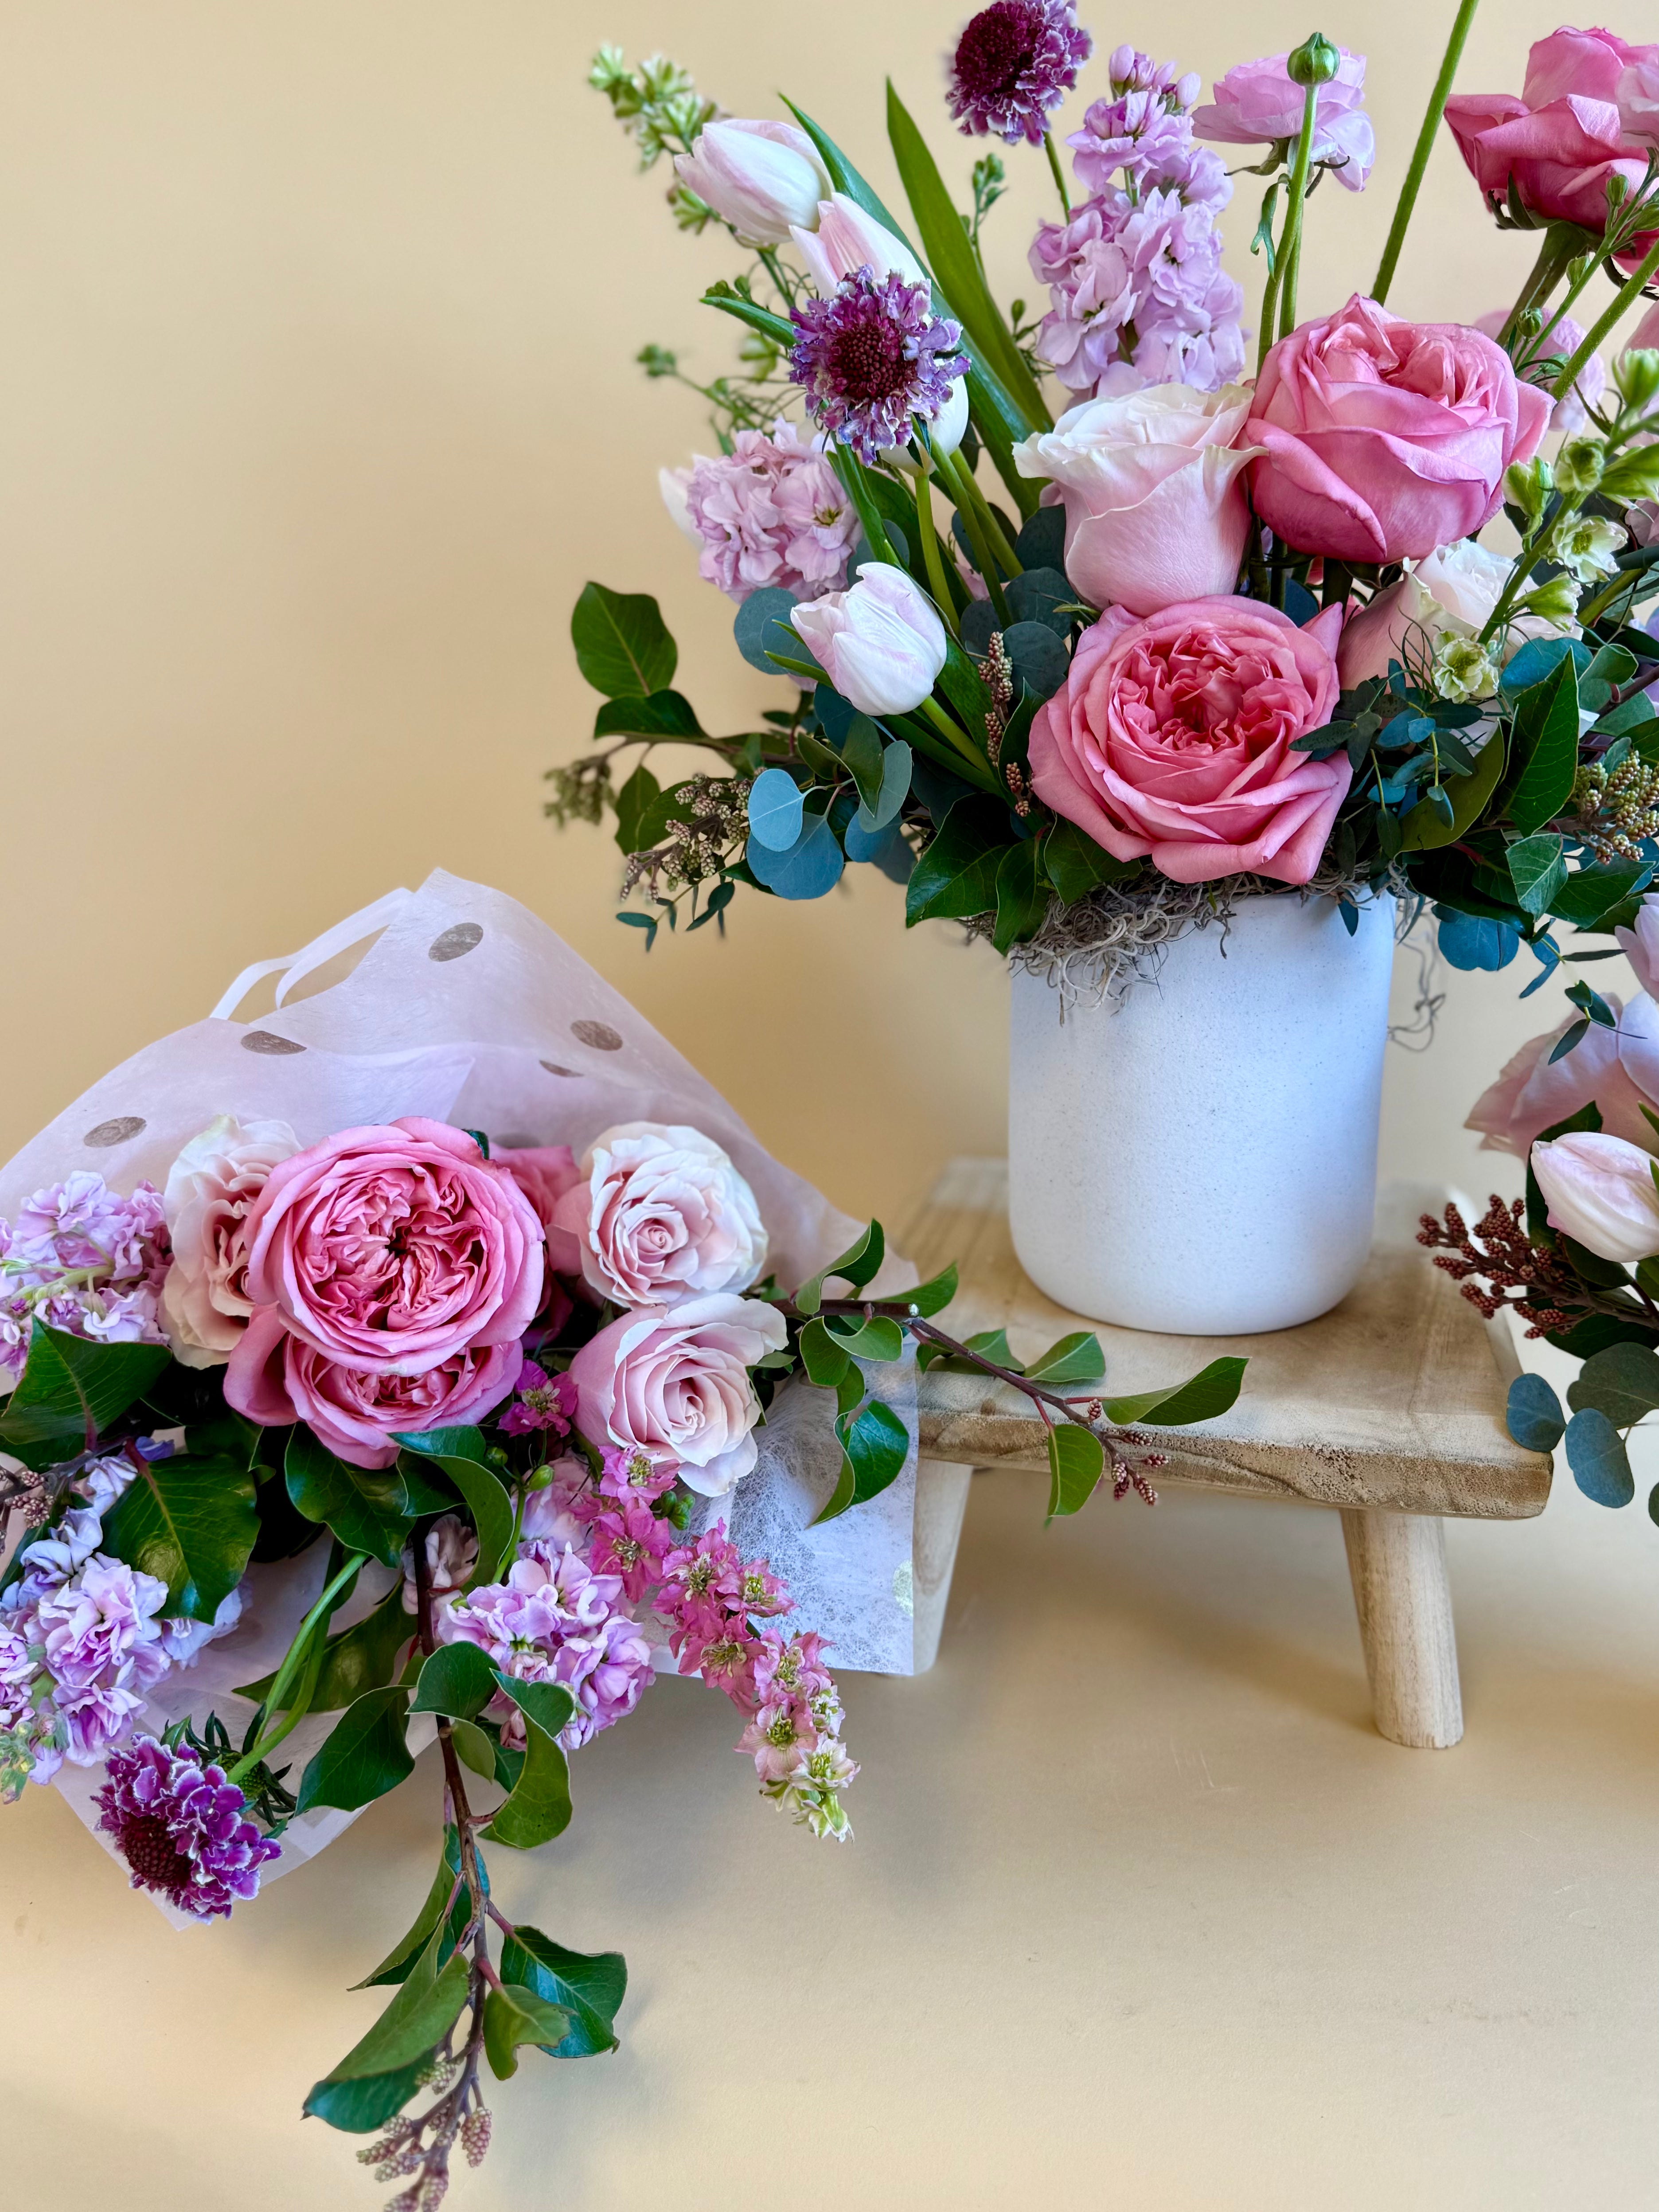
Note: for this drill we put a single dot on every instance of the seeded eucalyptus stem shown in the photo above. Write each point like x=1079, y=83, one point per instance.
x=1421, y=151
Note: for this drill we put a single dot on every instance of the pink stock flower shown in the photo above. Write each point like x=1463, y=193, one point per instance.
x=276, y=1378
x=702, y=1588
x=630, y=1473
x=452, y=1552
x=560, y=1511
x=543, y=1402
x=1584, y=115
x=772, y=514
x=674, y=1384
x=631, y=1542
x=1256, y=104
x=1640, y=946
x=544, y=1173
x=1172, y=738
x=555, y=1620
x=1386, y=439
x=1616, y=1069
x=661, y=1213
x=1155, y=512
x=99, y=1628
x=210, y=1190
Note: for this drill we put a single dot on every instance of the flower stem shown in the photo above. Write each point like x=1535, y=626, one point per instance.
x=1421, y=152
x=951, y=466
x=1058, y=174
x=1290, y=245
x=1554, y=255
x=291, y=1664
x=932, y=557
x=1627, y=296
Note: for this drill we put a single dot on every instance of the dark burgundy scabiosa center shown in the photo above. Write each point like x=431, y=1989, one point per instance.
x=866, y=359
x=148, y=1846
x=996, y=50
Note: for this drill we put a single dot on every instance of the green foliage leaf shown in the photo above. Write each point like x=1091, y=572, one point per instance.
x=364, y=1756
x=1076, y=863
x=1210, y=1392
x=879, y=1337
x=1427, y=827
x=540, y=1806
x=475, y=1747
x=934, y=1295
x=640, y=793
x=1591, y=895
x=378, y=2075
x=1596, y=1454
x=368, y=1511
x=1533, y=1414
x=1076, y=1457
x=1546, y=748
x=365, y=1656
x=1538, y=869
x=70, y=1389
x=956, y=876
x=589, y=1985
x=897, y=766
x=664, y=715
x=820, y=1356
x=1075, y=1358
x=1022, y=896
x=192, y=1523
x=488, y=1501
x=1622, y=1383
x=515, y=2015
x=456, y=1681
x=858, y=1265
x=622, y=644
x=876, y=1445
x=397, y=1962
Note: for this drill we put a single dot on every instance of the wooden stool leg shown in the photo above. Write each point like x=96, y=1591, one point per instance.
x=941, y=1499
x=1398, y=1564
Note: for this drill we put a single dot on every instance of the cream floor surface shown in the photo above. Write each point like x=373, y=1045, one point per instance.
x=1141, y=1914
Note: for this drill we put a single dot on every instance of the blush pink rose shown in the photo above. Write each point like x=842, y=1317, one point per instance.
x=393, y=1248
x=210, y=1190
x=1616, y=1069
x=674, y=1384
x=1172, y=738
x=659, y=1214
x=1585, y=113
x=1385, y=438
x=544, y=1173
x=276, y=1378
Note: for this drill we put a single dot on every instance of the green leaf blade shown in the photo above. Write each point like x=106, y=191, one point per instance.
x=364, y=1756
x=191, y=1522
x=623, y=646
x=1213, y=1390
x=589, y=1985
x=1077, y=1459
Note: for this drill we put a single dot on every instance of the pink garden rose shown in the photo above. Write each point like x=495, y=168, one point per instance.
x=1172, y=738
x=660, y=1213
x=210, y=1190
x=1385, y=438
x=1587, y=112
x=277, y=1378
x=1616, y=1069
x=393, y=1248
x=1155, y=510
x=674, y=1384
x=544, y=1173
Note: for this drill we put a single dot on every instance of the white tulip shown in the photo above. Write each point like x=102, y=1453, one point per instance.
x=1600, y=1192
x=880, y=643
x=762, y=178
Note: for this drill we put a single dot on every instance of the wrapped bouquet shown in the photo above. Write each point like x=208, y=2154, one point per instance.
x=401, y=1366
x=1098, y=613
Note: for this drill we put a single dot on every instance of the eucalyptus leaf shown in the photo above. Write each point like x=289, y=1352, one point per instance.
x=1622, y=1383
x=812, y=866
x=1596, y=1454
x=774, y=810
x=762, y=628
x=1533, y=1414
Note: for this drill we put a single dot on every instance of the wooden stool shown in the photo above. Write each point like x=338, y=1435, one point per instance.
x=1389, y=1410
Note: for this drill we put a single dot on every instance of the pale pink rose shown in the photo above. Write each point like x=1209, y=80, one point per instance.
x=1585, y=114
x=1385, y=438
x=544, y=1173
x=1564, y=337
x=1599, y=1191
x=659, y=1214
x=1640, y=946
x=674, y=1384
x=1171, y=736
x=1155, y=512
x=1616, y=1069
x=1452, y=593
x=395, y=1248
x=1256, y=104
x=277, y=1378
x=211, y=1190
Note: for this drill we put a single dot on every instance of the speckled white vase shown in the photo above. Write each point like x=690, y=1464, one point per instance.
x=1202, y=1160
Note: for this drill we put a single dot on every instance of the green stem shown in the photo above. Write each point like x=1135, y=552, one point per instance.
x=952, y=466
x=1421, y=152
x=1552, y=257
x=1290, y=247
x=960, y=741
x=996, y=536
x=1058, y=174
x=1269, y=311
x=293, y=1661
x=1627, y=296
x=933, y=558
x=850, y=470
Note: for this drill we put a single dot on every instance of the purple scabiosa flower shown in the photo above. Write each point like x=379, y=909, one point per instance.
x=771, y=513
x=544, y=1401
x=1014, y=61
x=871, y=358
x=178, y=1826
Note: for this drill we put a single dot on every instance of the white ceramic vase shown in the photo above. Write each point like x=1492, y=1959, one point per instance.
x=1202, y=1159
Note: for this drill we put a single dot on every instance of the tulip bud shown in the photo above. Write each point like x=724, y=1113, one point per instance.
x=1316, y=63
x=1601, y=1192
x=880, y=643
x=759, y=177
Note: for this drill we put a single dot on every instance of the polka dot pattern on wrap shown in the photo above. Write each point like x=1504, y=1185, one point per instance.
x=600, y=1035
x=117, y=1132
x=266, y=1040
x=460, y=937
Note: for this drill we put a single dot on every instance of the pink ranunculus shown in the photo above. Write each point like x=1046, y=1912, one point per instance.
x=1385, y=438
x=1257, y=104
x=660, y=1213
x=674, y=1384
x=1155, y=512
x=210, y=1190
x=1616, y=1069
x=1583, y=115
x=276, y=1378
x=395, y=1247
x=1171, y=736
x=544, y=1173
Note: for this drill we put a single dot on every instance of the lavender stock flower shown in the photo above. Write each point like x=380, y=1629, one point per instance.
x=1014, y=61
x=871, y=357
x=178, y=1825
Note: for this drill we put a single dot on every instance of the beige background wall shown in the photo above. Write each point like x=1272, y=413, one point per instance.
x=317, y=407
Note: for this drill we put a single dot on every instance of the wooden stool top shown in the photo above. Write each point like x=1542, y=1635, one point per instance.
x=1392, y=1401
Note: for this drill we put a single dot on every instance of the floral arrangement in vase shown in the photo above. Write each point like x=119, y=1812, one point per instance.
x=1095, y=612
x=447, y=1431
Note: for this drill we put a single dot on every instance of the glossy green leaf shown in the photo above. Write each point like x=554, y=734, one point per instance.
x=934, y=1295
x=540, y=1806
x=1591, y=895
x=1022, y=896
x=640, y=792
x=1546, y=748
x=664, y=715
x=956, y=876
x=368, y=1510
x=1538, y=869
x=515, y=2015
x=396, y=1962
x=589, y=1985
x=464, y=1442
x=395, y=2051
x=1427, y=827
x=1208, y=1393
x=456, y=1681
x=879, y=1337
x=897, y=766
x=622, y=644
x=1076, y=863
x=364, y=1656
x=858, y=1265
x=475, y=1747
x=489, y=1502
x=1076, y=1458
x=364, y=1756
x=820, y=1356
x=70, y=1391
x=362, y=2105
x=1596, y=1454
x=192, y=1523
x=1074, y=1358
x=1622, y=1383
x=877, y=1445
x=861, y=754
